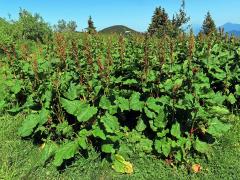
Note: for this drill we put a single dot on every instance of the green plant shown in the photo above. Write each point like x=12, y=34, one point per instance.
x=132, y=98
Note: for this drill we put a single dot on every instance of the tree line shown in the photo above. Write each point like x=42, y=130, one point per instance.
x=33, y=27
x=162, y=25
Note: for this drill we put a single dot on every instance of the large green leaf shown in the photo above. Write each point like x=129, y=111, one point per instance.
x=97, y=132
x=64, y=129
x=166, y=148
x=135, y=103
x=175, y=130
x=122, y=103
x=231, y=99
x=82, y=138
x=73, y=92
x=48, y=151
x=220, y=111
x=72, y=107
x=43, y=116
x=149, y=113
x=145, y=145
x=86, y=113
x=66, y=151
x=217, y=128
x=160, y=120
x=3, y=103
x=152, y=104
x=110, y=123
x=82, y=110
x=32, y=121
x=105, y=103
x=108, y=148
x=237, y=87
x=140, y=125
x=47, y=98
x=201, y=146
x=28, y=125
x=82, y=141
x=158, y=146
x=16, y=88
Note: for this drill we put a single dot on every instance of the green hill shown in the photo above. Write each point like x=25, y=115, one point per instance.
x=118, y=29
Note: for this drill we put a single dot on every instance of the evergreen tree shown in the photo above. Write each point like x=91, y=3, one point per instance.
x=180, y=19
x=159, y=22
x=162, y=25
x=91, y=28
x=208, y=26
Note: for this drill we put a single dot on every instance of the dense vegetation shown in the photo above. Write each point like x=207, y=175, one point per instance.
x=171, y=96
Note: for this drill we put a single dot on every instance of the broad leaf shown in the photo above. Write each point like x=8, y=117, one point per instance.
x=122, y=103
x=86, y=113
x=72, y=107
x=108, y=148
x=66, y=151
x=43, y=116
x=145, y=145
x=110, y=123
x=83, y=111
x=48, y=151
x=231, y=99
x=28, y=125
x=152, y=104
x=149, y=113
x=97, y=132
x=160, y=121
x=121, y=165
x=73, y=92
x=135, y=103
x=105, y=103
x=158, y=146
x=237, y=87
x=175, y=130
x=166, y=148
x=201, y=146
x=217, y=128
x=220, y=111
x=140, y=125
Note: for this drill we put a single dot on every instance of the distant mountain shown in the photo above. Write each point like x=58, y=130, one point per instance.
x=118, y=29
x=232, y=28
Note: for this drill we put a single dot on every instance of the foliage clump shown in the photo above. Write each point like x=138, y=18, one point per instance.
x=171, y=97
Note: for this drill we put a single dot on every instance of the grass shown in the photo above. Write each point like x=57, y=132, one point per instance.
x=19, y=160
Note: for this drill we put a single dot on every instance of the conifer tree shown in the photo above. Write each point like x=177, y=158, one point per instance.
x=179, y=19
x=208, y=26
x=91, y=28
x=160, y=22
x=162, y=25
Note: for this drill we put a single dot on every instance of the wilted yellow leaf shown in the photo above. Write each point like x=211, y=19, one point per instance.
x=122, y=166
x=128, y=167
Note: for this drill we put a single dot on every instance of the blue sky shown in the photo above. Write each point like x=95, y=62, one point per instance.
x=133, y=13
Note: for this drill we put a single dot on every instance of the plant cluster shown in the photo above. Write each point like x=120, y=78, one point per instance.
x=169, y=97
